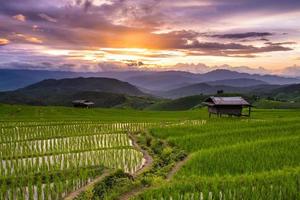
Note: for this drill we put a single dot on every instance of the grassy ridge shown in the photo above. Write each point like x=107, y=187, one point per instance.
x=246, y=158
x=209, y=136
x=236, y=158
x=280, y=184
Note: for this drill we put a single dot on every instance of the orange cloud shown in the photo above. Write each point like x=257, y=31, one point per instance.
x=3, y=41
x=29, y=38
x=20, y=17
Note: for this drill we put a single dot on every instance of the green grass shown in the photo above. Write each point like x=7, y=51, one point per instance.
x=280, y=184
x=184, y=103
x=52, y=113
x=247, y=158
x=218, y=134
x=241, y=158
x=256, y=158
x=269, y=104
x=58, y=113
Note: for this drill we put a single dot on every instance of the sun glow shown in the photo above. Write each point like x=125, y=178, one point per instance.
x=158, y=57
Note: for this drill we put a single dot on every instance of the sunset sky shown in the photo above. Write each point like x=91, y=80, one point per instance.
x=192, y=35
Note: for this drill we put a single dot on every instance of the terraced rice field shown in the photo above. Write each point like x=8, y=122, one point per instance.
x=228, y=158
x=48, y=160
x=234, y=159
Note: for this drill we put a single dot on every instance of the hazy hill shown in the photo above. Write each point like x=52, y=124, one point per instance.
x=240, y=82
x=160, y=81
x=206, y=89
x=222, y=74
x=11, y=79
x=105, y=92
x=83, y=84
x=199, y=88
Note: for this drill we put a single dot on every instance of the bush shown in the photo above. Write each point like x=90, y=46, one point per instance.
x=119, y=178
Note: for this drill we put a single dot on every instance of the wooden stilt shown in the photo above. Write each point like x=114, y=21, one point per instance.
x=249, y=114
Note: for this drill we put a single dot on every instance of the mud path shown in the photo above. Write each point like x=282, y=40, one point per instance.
x=148, y=160
x=75, y=193
x=176, y=168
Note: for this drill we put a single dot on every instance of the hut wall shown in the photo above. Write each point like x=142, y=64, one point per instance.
x=80, y=105
x=230, y=110
x=226, y=110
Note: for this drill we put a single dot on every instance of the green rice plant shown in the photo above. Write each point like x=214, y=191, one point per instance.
x=244, y=158
x=278, y=184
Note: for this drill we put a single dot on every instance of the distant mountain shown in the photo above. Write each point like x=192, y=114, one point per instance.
x=222, y=74
x=12, y=79
x=146, y=80
x=83, y=84
x=206, y=89
x=160, y=81
x=105, y=92
x=240, y=82
x=169, y=80
x=197, y=89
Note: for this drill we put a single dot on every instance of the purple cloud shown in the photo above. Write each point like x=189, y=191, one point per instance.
x=243, y=35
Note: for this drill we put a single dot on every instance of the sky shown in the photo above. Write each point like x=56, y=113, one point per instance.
x=259, y=36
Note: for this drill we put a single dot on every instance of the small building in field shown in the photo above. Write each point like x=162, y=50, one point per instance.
x=82, y=103
x=231, y=106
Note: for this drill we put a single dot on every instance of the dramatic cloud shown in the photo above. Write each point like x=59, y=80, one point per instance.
x=20, y=17
x=26, y=38
x=153, y=33
x=243, y=35
x=87, y=4
x=280, y=43
x=188, y=41
x=3, y=41
x=202, y=68
x=47, y=17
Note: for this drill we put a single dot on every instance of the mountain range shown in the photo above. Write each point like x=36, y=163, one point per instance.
x=105, y=92
x=145, y=80
x=138, y=89
x=112, y=93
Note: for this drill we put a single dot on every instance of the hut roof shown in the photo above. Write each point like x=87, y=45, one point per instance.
x=227, y=101
x=84, y=102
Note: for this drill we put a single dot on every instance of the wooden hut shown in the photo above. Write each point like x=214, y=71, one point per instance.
x=231, y=106
x=82, y=103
